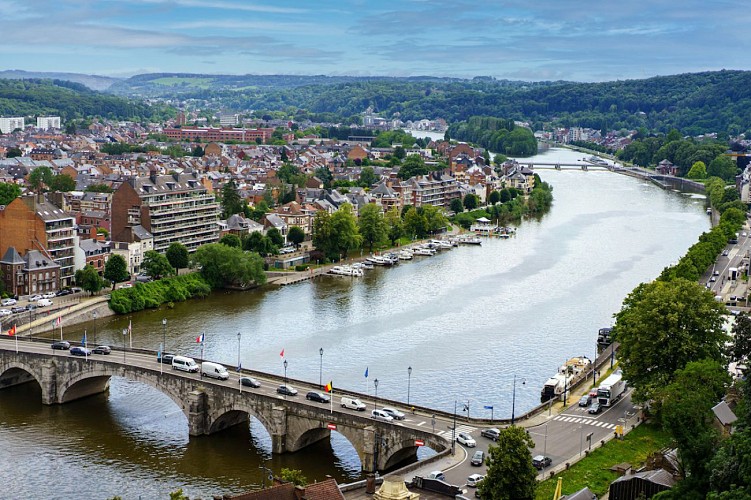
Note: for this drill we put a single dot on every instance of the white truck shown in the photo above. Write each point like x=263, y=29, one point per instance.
x=611, y=389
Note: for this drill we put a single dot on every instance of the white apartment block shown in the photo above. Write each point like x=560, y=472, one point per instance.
x=8, y=125
x=48, y=122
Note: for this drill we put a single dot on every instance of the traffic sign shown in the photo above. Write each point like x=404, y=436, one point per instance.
x=331, y=427
x=419, y=442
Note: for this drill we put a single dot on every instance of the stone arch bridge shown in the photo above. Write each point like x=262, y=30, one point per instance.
x=211, y=406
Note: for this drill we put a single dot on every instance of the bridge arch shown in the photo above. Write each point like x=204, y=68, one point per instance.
x=236, y=412
x=16, y=372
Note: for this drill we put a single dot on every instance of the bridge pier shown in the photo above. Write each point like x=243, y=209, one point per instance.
x=197, y=413
x=279, y=432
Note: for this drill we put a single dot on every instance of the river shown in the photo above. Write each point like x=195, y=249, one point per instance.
x=466, y=321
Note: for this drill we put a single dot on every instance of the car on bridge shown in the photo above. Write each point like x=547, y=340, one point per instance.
x=541, y=461
x=166, y=358
x=466, y=440
x=381, y=415
x=48, y=295
x=80, y=351
x=17, y=309
x=492, y=433
x=61, y=345
x=287, y=390
x=317, y=396
x=35, y=297
x=393, y=412
x=5, y=312
x=249, y=382
x=102, y=349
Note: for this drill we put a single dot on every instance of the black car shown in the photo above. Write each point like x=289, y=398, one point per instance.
x=287, y=390
x=478, y=458
x=585, y=400
x=249, y=382
x=62, y=292
x=102, y=349
x=541, y=461
x=491, y=433
x=166, y=358
x=317, y=396
x=80, y=351
x=595, y=408
x=18, y=309
x=62, y=345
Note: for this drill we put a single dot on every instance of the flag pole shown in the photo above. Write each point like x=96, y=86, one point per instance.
x=15, y=335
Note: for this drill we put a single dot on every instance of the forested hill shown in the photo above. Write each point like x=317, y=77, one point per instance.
x=694, y=103
x=68, y=100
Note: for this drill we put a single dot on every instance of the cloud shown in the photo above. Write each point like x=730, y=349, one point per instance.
x=222, y=5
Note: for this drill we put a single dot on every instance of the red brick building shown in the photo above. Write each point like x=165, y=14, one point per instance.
x=219, y=134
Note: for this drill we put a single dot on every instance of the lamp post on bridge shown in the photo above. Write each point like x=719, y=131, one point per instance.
x=375, y=403
x=239, y=365
x=285, y=378
x=164, y=337
x=320, y=369
x=125, y=334
x=95, y=316
x=409, y=382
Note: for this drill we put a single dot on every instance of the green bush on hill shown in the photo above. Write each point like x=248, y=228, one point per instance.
x=153, y=294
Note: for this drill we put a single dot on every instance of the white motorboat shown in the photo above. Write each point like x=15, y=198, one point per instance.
x=405, y=254
x=423, y=251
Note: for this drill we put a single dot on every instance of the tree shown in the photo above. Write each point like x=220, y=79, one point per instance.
x=698, y=171
x=198, y=151
x=661, y=327
x=296, y=235
x=231, y=202
x=63, y=183
x=394, y=228
x=344, y=230
x=293, y=476
x=415, y=224
x=372, y=225
x=740, y=348
x=325, y=175
x=686, y=413
x=470, y=201
x=177, y=255
x=434, y=218
x=9, y=192
x=494, y=197
x=456, y=206
x=723, y=167
x=226, y=266
x=275, y=236
x=40, y=177
x=510, y=474
x=231, y=240
x=368, y=177
x=88, y=278
x=156, y=265
x=413, y=165
x=116, y=269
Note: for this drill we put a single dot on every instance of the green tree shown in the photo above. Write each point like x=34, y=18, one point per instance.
x=413, y=165
x=296, y=235
x=698, y=171
x=494, y=197
x=9, y=192
x=40, y=177
x=88, y=278
x=261, y=209
x=198, y=151
x=344, y=230
x=325, y=175
x=14, y=152
x=456, y=206
x=415, y=225
x=435, y=220
x=177, y=255
x=399, y=152
x=275, y=236
x=510, y=474
x=368, y=177
x=293, y=476
x=178, y=495
x=372, y=225
x=226, y=266
x=661, y=327
x=686, y=413
x=394, y=227
x=116, y=269
x=231, y=202
x=156, y=265
x=323, y=239
x=98, y=188
x=63, y=183
x=723, y=167
x=470, y=201
x=231, y=240
x=740, y=348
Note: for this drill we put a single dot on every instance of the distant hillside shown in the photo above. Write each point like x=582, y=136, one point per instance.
x=694, y=103
x=94, y=82
x=68, y=100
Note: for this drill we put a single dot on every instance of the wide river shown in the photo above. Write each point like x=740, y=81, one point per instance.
x=466, y=321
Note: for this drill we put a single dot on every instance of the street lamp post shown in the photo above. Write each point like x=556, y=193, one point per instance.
x=239, y=366
x=94, y=314
x=285, y=378
x=125, y=334
x=513, y=399
x=375, y=403
x=164, y=335
x=409, y=382
x=320, y=369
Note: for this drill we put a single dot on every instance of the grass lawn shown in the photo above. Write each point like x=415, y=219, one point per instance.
x=594, y=471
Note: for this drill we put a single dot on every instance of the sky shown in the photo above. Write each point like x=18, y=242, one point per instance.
x=530, y=40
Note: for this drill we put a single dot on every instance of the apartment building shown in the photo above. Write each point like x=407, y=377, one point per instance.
x=31, y=223
x=9, y=124
x=48, y=122
x=219, y=134
x=172, y=208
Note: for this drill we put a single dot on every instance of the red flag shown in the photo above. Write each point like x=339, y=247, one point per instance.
x=12, y=330
x=282, y=353
x=58, y=320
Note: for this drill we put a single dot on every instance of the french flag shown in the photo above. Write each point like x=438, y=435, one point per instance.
x=200, y=338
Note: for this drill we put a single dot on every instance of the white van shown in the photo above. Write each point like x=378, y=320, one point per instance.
x=214, y=370
x=44, y=302
x=185, y=364
x=352, y=403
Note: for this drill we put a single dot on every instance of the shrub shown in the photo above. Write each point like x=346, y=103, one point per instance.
x=153, y=294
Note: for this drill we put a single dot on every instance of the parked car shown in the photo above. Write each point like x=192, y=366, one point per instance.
x=317, y=396
x=381, y=415
x=474, y=480
x=478, y=458
x=17, y=309
x=287, y=390
x=595, y=408
x=466, y=440
x=62, y=345
x=491, y=433
x=436, y=474
x=8, y=302
x=102, y=349
x=5, y=312
x=541, y=461
x=48, y=295
x=585, y=400
x=143, y=277
x=75, y=289
x=80, y=351
x=394, y=412
x=35, y=297
x=249, y=382
x=64, y=291
x=713, y=279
